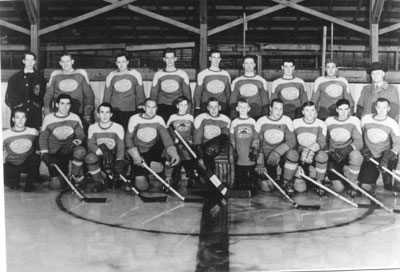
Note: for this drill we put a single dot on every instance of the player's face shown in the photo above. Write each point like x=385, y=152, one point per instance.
x=104, y=115
x=64, y=106
x=331, y=69
x=150, y=109
x=19, y=120
x=29, y=61
x=288, y=68
x=276, y=111
x=343, y=111
x=66, y=63
x=182, y=107
x=170, y=59
x=309, y=113
x=249, y=65
x=213, y=108
x=122, y=63
x=215, y=59
x=382, y=109
x=377, y=76
x=243, y=108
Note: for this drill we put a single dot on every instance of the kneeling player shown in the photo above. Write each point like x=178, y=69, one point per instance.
x=345, y=142
x=145, y=140
x=382, y=143
x=106, y=148
x=311, y=137
x=278, y=142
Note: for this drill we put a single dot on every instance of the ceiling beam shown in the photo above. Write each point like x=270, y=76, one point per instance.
x=85, y=16
x=159, y=17
x=15, y=27
x=32, y=12
x=389, y=29
x=148, y=47
x=324, y=16
x=377, y=11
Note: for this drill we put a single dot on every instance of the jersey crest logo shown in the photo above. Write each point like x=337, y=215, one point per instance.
x=340, y=134
x=215, y=86
x=169, y=85
x=244, y=132
x=334, y=90
x=211, y=131
x=68, y=85
x=306, y=139
x=248, y=90
x=273, y=136
x=290, y=93
x=377, y=135
x=147, y=134
x=20, y=146
x=63, y=132
x=182, y=125
x=123, y=85
x=109, y=142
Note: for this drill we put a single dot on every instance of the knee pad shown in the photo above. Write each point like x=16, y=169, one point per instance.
x=321, y=157
x=79, y=153
x=356, y=158
x=56, y=183
x=141, y=183
x=91, y=158
x=292, y=156
x=266, y=185
x=337, y=186
x=300, y=185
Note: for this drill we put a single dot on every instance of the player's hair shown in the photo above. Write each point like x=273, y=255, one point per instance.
x=382, y=99
x=150, y=99
x=276, y=100
x=107, y=105
x=307, y=104
x=18, y=109
x=63, y=96
x=330, y=61
x=212, y=99
x=30, y=54
x=122, y=54
x=180, y=99
x=65, y=53
x=288, y=60
x=168, y=50
x=249, y=57
x=342, y=101
x=213, y=51
x=242, y=100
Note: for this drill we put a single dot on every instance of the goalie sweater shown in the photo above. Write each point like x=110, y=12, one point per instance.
x=183, y=124
x=207, y=127
x=327, y=91
x=124, y=90
x=18, y=145
x=112, y=136
x=75, y=84
x=343, y=133
x=143, y=133
x=254, y=89
x=309, y=133
x=243, y=134
x=293, y=94
x=212, y=84
x=57, y=131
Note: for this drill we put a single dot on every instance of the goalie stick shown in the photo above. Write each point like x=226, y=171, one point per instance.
x=213, y=178
x=296, y=205
x=79, y=194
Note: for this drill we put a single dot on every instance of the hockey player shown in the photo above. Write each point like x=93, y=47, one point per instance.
x=145, y=140
x=344, y=145
x=245, y=142
x=168, y=85
x=212, y=82
x=60, y=140
x=277, y=143
x=382, y=142
x=73, y=82
x=182, y=122
x=251, y=87
x=290, y=89
x=25, y=90
x=328, y=90
x=379, y=88
x=19, y=152
x=124, y=91
x=106, y=149
x=311, y=138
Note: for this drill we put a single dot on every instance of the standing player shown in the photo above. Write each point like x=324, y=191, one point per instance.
x=212, y=82
x=245, y=142
x=382, y=143
x=379, y=88
x=168, y=85
x=344, y=145
x=25, y=90
x=311, y=137
x=106, y=148
x=60, y=140
x=19, y=152
x=124, y=91
x=74, y=83
x=328, y=90
x=277, y=143
x=290, y=89
x=145, y=140
x=251, y=87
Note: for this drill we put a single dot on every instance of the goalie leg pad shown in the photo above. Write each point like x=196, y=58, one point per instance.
x=92, y=163
x=300, y=185
x=77, y=162
x=141, y=183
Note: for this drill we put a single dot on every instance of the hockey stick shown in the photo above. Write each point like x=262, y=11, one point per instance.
x=79, y=194
x=213, y=178
x=169, y=187
x=365, y=193
x=385, y=169
x=296, y=205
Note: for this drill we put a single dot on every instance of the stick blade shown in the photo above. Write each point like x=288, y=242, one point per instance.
x=153, y=198
x=368, y=206
x=238, y=194
x=307, y=207
x=94, y=199
x=194, y=199
x=396, y=211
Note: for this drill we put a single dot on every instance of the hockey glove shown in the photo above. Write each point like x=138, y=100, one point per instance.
x=107, y=159
x=260, y=168
x=273, y=158
x=173, y=154
x=49, y=160
x=135, y=155
x=253, y=154
x=367, y=153
x=67, y=149
x=120, y=167
x=215, y=145
x=307, y=156
x=341, y=154
x=388, y=155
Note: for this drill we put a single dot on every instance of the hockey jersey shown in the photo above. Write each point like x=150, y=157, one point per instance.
x=112, y=137
x=310, y=133
x=242, y=134
x=18, y=145
x=343, y=133
x=208, y=127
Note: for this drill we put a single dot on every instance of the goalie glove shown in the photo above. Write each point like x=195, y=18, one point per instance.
x=173, y=153
x=107, y=159
x=307, y=156
x=276, y=154
x=341, y=154
x=134, y=153
x=388, y=155
x=120, y=167
x=67, y=149
x=367, y=153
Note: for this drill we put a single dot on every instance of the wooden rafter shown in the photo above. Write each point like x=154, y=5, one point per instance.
x=32, y=12
x=389, y=29
x=324, y=16
x=15, y=27
x=377, y=11
x=85, y=16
